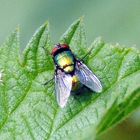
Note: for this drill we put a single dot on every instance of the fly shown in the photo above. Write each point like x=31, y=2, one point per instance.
x=71, y=74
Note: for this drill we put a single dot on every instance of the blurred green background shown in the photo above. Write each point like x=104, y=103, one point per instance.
x=114, y=20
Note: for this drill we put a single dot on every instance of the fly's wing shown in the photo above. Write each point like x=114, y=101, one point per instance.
x=63, y=85
x=87, y=77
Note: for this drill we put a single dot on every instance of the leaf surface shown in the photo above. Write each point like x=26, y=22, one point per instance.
x=29, y=109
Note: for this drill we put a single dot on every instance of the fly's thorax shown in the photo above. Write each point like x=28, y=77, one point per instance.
x=65, y=60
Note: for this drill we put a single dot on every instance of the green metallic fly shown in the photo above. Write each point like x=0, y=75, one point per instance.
x=71, y=74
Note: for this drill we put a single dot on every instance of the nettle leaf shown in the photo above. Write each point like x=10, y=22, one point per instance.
x=28, y=109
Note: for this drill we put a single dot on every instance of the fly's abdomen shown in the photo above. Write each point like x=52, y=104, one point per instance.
x=76, y=85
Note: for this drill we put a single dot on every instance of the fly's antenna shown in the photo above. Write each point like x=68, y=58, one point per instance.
x=59, y=45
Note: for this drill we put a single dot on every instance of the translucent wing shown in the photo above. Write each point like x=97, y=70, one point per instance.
x=87, y=77
x=63, y=85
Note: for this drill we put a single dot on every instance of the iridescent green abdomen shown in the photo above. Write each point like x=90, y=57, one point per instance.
x=65, y=61
x=76, y=85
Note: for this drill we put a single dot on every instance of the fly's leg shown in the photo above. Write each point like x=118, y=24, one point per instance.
x=49, y=84
x=46, y=83
x=88, y=53
x=83, y=59
x=47, y=52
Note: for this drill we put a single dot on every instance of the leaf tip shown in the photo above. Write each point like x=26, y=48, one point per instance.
x=78, y=21
x=15, y=33
x=98, y=40
x=82, y=18
x=17, y=30
x=44, y=26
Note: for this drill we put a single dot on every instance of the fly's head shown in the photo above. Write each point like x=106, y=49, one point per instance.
x=59, y=48
x=63, y=58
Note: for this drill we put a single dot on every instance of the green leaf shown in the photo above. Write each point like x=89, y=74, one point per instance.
x=75, y=37
x=28, y=109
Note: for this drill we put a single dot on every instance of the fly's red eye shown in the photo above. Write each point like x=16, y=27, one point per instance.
x=54, y=50
x=65, y=46
x=59, y=47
